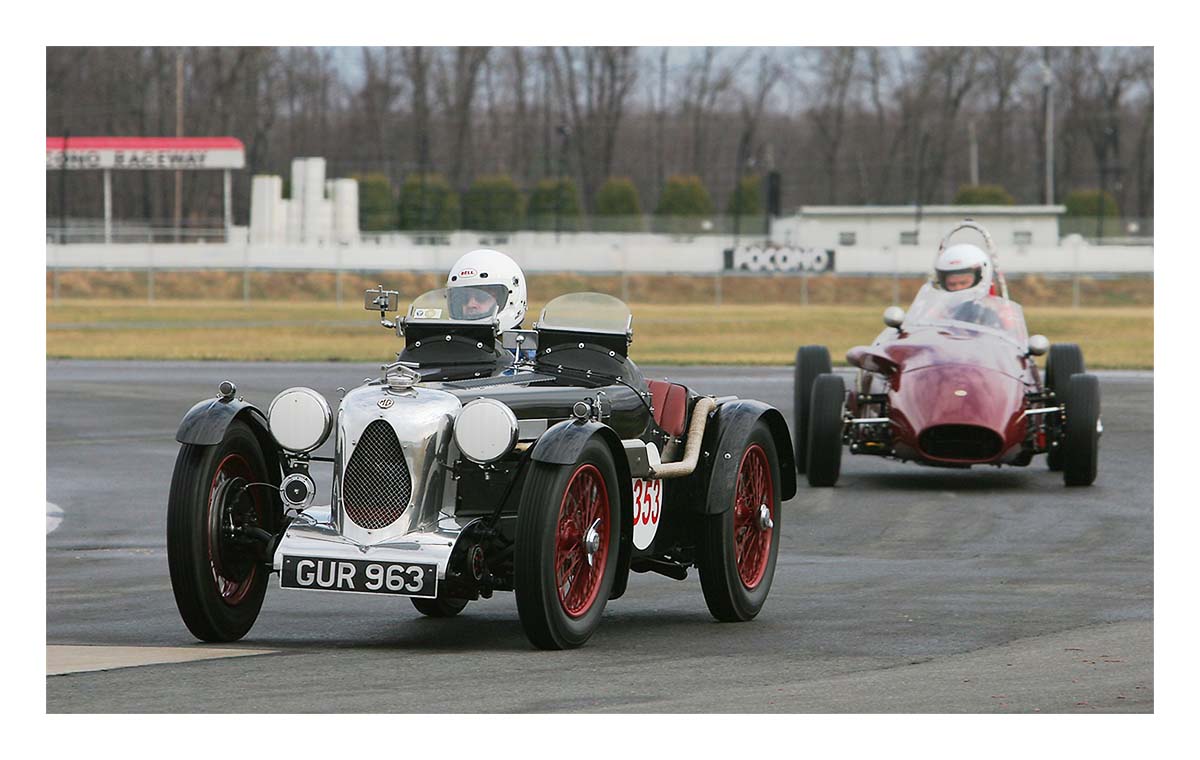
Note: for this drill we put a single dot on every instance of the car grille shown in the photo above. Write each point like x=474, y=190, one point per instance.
x=961, y=442
x=376, y=486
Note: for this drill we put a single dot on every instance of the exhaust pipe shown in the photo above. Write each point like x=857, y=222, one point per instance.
x=691, y=450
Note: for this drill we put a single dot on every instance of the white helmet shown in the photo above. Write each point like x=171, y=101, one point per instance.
x=486, y=283
x=964, y=259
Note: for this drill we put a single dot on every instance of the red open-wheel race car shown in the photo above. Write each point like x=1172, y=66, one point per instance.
x=952, y=383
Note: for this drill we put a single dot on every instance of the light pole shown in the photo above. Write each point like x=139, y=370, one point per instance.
x=1048, y=108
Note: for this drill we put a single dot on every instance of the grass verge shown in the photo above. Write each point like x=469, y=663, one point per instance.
x=1112, y=337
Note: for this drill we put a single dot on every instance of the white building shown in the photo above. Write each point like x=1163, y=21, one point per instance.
x=842, y=228
x=320, y=211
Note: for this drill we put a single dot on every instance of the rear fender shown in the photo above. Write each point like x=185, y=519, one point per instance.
x=562, y=444
x=733, y=424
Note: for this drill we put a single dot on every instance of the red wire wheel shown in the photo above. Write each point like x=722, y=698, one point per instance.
x=233, y=568
x=751, y=538
x=582, y=538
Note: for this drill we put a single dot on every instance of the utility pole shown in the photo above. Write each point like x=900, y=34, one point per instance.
x=564, y=132
x=178, y=133
x=1048, y=109
x=974, y=155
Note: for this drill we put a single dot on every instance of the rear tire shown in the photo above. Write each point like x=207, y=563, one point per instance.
x=441, y=607
x=811, y=361
x=825, y=431
x=564, y=509
x=737, y=553
x=219, y=584
x=1081, y=443
x=1063, y=361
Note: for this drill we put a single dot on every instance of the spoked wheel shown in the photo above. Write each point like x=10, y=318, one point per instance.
x=218, y=573
x=441, y=607
x=1063, y=361
x=1081, y=439
x=739, y=546
x=566, y=549
x=811, y=361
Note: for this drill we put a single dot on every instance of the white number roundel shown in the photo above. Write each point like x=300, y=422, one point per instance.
x=647, y=509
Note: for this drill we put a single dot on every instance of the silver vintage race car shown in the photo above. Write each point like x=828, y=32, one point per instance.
x=536, y=461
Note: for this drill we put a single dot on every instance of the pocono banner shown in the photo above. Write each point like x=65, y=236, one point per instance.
x=760, y=257
x=145, y=153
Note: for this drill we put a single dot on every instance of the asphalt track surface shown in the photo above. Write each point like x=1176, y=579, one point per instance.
x=903, y=589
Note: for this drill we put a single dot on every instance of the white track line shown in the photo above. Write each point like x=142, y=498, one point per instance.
x=54, y=517
x=81, y=659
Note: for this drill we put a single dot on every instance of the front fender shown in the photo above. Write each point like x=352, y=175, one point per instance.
x=733, y=423
x=206, y=422
x=562, y=444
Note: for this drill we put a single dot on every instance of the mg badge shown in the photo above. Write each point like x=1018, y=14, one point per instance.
x=386, y=403
x=960, y=393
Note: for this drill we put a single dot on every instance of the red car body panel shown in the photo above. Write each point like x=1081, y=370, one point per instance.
x=956, y=396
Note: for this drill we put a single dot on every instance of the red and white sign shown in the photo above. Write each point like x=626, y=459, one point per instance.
x=647, y=509
x=145, y=153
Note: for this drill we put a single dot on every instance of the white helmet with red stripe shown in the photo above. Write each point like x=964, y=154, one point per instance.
x=964, y=267
x=486, y=283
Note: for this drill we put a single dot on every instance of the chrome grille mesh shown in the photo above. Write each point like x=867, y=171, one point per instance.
x=377, y=485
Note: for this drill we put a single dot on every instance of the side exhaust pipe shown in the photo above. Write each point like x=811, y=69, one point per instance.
x=691, y=450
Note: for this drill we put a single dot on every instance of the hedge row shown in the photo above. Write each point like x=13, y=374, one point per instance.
x=495, y=203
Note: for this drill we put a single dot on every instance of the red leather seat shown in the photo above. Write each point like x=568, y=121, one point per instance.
x=670, y=405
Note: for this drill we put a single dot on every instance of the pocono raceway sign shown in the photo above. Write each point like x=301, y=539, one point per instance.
x=145, y=153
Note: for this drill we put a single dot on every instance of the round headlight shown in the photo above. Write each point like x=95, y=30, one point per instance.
x=485, y=430
x=300, y=419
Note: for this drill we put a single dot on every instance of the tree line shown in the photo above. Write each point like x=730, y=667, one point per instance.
x=841, y=125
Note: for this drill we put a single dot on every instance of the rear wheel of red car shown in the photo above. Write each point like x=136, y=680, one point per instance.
x=739, y=546
x=1081, y=441
x=219, y=579
x=1063, y=361
x=568, y=526
x=811, y=362
x=441, y=607
x=825, y=430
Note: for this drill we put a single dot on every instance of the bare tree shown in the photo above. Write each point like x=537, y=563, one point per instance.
x=832, y=71
x=592, y=88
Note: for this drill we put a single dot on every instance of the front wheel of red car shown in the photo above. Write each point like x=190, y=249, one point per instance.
x=568, y=526
x=1064, y=361
x=1081, y=439
x=739, y=546
x=218, y=574
x=825, y=425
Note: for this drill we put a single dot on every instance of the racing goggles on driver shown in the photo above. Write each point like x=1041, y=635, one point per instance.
x=477, y=301
x=976, y=273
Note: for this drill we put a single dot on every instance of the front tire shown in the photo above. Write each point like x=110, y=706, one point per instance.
x=1081, y=441
x=811, y=362
x=825, y=431
x=219, y=581
x=739, y=546
x=1063, y=361
x=566, y=547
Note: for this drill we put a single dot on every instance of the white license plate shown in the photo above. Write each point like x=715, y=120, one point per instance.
x=359, y=576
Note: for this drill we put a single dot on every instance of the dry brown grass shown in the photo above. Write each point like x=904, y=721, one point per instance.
x=766, y=333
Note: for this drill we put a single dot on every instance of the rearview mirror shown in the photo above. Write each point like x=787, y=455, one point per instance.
x=893, y=316
x=1038, y=345
x=381, y=300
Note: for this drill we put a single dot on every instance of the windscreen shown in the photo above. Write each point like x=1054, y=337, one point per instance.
x=466, y=304
x=593, y=312
x=939, y=308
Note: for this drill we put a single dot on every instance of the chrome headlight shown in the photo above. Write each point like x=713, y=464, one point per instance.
x=485, y=430
x=300, y=419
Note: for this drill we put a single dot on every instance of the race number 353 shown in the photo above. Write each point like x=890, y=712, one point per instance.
x=647, y=508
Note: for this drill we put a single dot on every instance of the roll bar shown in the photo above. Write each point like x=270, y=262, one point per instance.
x=971, y=224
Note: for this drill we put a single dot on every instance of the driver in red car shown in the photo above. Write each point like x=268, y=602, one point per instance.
x=967, y=270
